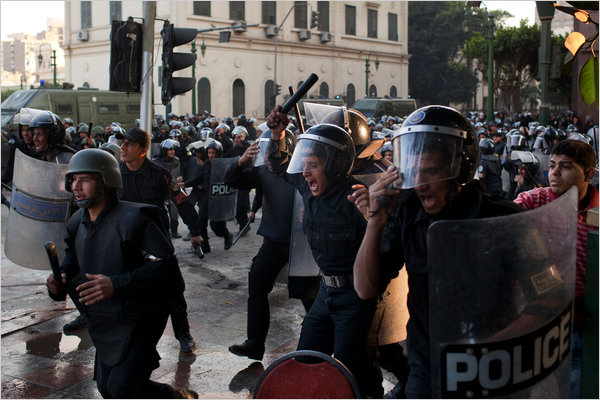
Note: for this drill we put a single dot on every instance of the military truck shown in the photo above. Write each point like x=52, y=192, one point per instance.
x=98, y=106
x=374, y=107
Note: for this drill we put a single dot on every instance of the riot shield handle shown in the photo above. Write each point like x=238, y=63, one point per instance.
x=53, y=258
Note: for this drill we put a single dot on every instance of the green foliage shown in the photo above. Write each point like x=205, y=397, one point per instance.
x=588, y=81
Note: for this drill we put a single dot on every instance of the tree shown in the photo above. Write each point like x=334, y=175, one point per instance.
x=515, y=60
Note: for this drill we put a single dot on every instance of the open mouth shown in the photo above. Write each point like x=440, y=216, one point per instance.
x=312, y=185
x=427, y=201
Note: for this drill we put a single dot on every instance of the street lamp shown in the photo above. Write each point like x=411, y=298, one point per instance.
x=490, y=38
x=53, y=58
x=367, y=71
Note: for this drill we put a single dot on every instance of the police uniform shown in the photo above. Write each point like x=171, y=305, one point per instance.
x=125, y=244
x=243, y=195
x=490, y=173
x=404, y=241
x=338, y=321
x=277, y=200
x=152, y=184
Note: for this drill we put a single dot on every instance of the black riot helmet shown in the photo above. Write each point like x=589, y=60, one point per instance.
x=550, y=135
x=52, y=124
x=526, y=159
x=441, y=130
x=329, y=142
x=263, y=144
x=515, y=141
x=214, y=144
x=486, y=146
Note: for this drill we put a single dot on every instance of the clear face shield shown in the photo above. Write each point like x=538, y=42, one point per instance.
x=425, y=157
x=263, y=144
x=324, y=113
x=310, y=155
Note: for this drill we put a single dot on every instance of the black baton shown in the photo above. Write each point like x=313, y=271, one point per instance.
x=297, y=111
x=302, y=90
x=53, y=258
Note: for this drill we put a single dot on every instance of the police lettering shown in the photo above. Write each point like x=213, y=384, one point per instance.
x=500, y=368
x=221, y=189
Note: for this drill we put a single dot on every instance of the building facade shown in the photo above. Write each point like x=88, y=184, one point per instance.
x=238, y=76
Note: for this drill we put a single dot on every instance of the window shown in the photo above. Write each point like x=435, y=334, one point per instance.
x=115, y=11
x=393, y=92
x=108, y=108
x=372, y=23
x=350, y=20
x=64, y=109
x=86, y=14
x=324, y=90
x=300, y=11
x=269, y=98
x=239, y=97
x=323, y=8
x=350, y=94
x=204, y=94
x=202, y=8
x=237, y=10
x=372, y=91
x=393, y=27
x=269, y=13
x=133, y=108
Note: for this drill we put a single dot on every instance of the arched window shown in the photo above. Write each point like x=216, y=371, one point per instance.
x=324, y=90
x=203, y=95
x=350, y=95
x=372, y=91
x=239, y=97
x=269, y=97
x=393, y=92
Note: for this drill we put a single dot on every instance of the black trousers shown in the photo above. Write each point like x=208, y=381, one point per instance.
x=179, y=318
x=130, y=379
x=218, y=227
x=266, y=265
x=243, y=207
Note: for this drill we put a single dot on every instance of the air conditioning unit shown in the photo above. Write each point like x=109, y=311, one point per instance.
x=83, y=36
x=325, y=37
x=270, y=30
x=237, y=28
x=304, y=34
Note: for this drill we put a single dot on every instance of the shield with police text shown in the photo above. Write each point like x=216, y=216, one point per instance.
x=501, y=303
x=223, y=199
x=39, y=211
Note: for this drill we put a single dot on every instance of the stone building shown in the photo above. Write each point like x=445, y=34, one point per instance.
x=237, y=76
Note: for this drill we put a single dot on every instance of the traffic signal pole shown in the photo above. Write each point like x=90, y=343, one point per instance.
x=149, y=13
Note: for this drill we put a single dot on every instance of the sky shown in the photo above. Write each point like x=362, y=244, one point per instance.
x=30, y=16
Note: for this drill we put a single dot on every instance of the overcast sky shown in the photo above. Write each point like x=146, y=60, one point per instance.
x=30, y=16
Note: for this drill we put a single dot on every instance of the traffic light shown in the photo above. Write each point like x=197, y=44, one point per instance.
x=314, y=20
x=172, y=37
x=277, y=90
x=125, y=56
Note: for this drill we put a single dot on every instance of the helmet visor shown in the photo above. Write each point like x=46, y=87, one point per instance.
x=263, y=144
x=324, y=113
x=423, y=158
x=310, y=155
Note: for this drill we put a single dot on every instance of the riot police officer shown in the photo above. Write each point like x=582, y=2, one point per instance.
x=319, y=169
x=439, y=154
x=240, y=134
x=48, y=135
x=147, y=182
x=169, y=161
x=490, y=168
x=125, y=284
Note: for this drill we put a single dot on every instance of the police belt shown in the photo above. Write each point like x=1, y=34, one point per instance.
x=337, y=281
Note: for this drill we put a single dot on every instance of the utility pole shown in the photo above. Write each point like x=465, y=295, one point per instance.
x=490, y=104
x=149, y=13
x=546, y=13
x=194, y=76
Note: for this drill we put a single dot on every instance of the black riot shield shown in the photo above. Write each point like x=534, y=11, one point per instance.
x=223, y=199
x=39, y=212
x=501, y=294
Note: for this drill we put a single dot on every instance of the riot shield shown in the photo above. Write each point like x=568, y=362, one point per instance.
x=223, y=199
x=301, y=262
x=39, y=211
x=501, y=295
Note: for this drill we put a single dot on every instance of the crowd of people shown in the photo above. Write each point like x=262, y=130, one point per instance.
x=436, y=163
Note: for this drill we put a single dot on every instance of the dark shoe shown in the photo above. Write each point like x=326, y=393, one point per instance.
x=205, y=248
x=188, y=237
x=175, y=235
x=75, y=325
x=187, y=344
x=228, y=241
x=248, y=349
x=184, y=394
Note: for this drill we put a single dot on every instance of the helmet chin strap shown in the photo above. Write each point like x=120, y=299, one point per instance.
x=90, y=201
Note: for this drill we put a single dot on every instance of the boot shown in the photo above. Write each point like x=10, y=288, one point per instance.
x=249, y=349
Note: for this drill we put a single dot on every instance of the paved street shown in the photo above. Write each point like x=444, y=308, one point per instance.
x=39, y=361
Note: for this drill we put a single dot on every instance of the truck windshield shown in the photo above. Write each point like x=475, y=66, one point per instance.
x=366, y=106
x=13, y=104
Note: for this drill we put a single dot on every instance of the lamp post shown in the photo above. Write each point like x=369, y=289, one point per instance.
x=490, y=38
x=194, y=76
x=546, y=13
x=52, y=57
x=367, y=71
